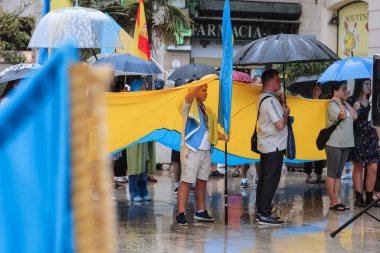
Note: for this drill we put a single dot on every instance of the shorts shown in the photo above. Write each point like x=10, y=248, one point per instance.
x=336, y=159
x=195, y=165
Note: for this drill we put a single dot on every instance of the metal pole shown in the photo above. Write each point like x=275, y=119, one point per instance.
x=225, y=186
x=283, y=71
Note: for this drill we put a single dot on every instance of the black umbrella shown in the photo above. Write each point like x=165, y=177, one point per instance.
x=304, y=86
x=19, y=71
x=194, y=71
x=283, y=48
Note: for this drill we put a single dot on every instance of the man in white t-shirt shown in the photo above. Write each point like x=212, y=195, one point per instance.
x=272, y=136
x=200, y=133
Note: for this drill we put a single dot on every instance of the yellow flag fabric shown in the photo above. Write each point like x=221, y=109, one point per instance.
x=128, y=44
x=59, y=4
x=140, y=37
x=153, y=115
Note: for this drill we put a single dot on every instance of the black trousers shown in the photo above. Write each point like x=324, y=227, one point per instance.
x=120, y=165
x=318, y=167
x=269, y=178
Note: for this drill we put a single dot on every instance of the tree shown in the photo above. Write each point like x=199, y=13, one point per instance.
x=163, y=19
x=295, y=70
x=15, y=33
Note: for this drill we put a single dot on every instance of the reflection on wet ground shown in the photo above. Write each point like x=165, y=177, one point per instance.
x=150, y=226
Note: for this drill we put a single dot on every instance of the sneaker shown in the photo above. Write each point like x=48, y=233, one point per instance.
x=203, y=216
x=244, y=183
x=175, y=192
x=137, y=199
x=273, y=216
x=147, y=198
x=216, y=173
x=269, y=220
x=181, y=219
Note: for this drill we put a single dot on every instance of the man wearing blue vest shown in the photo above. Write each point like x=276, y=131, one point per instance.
x=200, y=133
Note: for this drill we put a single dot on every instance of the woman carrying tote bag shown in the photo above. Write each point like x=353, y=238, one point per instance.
x=341, y=140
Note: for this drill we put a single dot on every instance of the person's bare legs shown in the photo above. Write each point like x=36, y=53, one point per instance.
x=357, y=177
x=330, y=188
x=337, y=183
x=183, y=195
x=371, y=177
x=200, y=194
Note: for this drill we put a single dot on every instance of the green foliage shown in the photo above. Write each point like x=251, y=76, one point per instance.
x=295, y=70
x=163, y=19
x=15, y=33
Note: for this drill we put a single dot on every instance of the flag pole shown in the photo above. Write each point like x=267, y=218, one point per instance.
x=225, y=186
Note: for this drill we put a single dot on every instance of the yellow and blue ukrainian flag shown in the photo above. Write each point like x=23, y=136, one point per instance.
x=225, y=95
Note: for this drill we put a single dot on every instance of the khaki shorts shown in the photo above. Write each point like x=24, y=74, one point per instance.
x=195, y=164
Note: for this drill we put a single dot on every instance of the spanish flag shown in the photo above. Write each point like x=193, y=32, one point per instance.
x=141, y=34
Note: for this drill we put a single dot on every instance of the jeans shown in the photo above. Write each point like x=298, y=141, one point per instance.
x=138, y=185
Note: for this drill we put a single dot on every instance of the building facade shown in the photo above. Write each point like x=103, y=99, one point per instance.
x=348, y=27
x=343, y=25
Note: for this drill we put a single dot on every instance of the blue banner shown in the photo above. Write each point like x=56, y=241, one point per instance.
x=225, y=95
x=35, y=205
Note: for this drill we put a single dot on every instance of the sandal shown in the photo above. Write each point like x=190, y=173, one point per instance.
x=152, y=178
x=337, y=207
x=344, y=206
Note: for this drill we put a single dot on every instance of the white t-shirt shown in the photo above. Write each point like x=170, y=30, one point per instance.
x=269, y=138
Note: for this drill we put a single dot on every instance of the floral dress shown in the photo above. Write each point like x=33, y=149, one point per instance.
x=366, y=140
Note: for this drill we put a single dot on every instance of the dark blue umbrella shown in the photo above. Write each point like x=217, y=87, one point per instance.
x=129, y=64
x=194, y=71
x=348, y=69
x=19, y=71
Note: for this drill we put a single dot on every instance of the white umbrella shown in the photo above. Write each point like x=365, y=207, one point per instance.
x=85, y=27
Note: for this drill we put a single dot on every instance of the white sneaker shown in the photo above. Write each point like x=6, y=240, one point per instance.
x=244, y=183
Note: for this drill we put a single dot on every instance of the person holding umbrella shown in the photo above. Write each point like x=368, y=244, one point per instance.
x=272, y=137
x=199, y=133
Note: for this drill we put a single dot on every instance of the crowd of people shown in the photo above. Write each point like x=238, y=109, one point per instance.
x=354, y=140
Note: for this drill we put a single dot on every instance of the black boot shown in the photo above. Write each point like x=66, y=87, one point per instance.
x=359, y=201
x=368, y=198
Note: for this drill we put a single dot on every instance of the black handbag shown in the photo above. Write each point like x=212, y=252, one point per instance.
x=325, y=134
x=254, y=136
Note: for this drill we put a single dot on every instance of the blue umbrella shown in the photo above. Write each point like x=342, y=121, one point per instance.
x=129, y=64
x=348, y=69
x=19, y=71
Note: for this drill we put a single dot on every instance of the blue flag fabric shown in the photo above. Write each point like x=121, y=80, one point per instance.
x=43, y=56
x=225, y=95
x=35, y=208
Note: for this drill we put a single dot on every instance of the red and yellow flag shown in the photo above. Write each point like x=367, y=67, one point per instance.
x=140, y=37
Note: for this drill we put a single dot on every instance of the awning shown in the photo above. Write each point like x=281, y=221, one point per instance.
x=248, y=9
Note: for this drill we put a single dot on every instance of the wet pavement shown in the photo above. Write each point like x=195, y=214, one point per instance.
x=150, y=226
